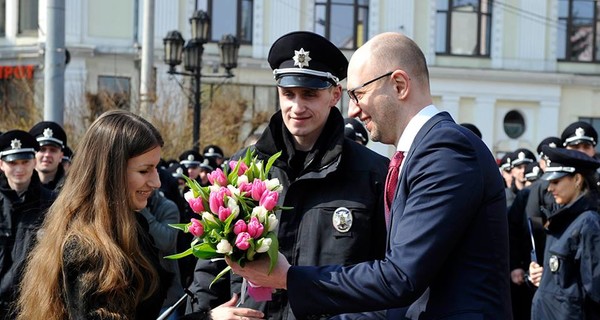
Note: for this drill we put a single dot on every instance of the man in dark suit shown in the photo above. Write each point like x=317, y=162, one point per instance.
x=447, y=247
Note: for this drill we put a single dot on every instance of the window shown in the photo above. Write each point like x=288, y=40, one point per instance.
x=514, y=124
x=463, y=27
x=115, y=91
x=28, y=17
x=578, y=30
x=223, y=12
x=344, y=22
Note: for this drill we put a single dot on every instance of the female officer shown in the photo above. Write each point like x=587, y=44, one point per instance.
x=569, y=283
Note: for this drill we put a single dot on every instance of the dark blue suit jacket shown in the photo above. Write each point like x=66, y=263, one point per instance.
x=448, y=234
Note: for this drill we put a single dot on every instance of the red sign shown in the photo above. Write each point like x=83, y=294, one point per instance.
x=16, y=72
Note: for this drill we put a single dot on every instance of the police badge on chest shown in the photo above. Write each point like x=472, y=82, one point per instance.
x=342, y=219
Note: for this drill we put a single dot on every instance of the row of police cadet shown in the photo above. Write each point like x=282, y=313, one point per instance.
x=552, y=204
x=33, y=166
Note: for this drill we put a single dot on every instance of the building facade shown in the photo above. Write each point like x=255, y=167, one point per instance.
x=520, y=70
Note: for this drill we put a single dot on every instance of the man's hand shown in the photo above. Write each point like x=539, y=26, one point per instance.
x=257, y=272
x=228, y=311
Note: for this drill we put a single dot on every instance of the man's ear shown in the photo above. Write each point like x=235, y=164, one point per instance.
x=403, y=84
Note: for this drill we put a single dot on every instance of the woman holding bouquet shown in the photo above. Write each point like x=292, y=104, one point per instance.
x=95, y=258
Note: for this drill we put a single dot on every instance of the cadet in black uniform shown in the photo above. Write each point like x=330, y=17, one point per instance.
x=52, y=139
x=334, y=185
x=569, y=286
x=23, y=204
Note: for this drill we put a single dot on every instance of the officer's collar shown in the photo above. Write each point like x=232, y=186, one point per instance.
x=563, y=216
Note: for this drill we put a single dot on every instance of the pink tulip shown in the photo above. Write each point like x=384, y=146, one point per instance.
x=196, y=204
x=258, y=188
x=245, y=188
x=216, y=199
x=255, y=228
x=224, y=213
x=217, y=177
x=243, y=167
x=196, y=228
x=269, y=199
x=239, y=226
x=243, y=241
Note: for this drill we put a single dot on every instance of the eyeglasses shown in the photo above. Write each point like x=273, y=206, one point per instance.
x=352, y=93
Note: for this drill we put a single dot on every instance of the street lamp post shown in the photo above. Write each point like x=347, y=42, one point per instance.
x=192, y=59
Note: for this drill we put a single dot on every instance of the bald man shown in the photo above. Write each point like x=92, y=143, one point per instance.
x=447, y=245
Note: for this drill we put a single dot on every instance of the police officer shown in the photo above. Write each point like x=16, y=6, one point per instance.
x=580, y=136
x=522, y=157
x=360, y=133
x=215, y=156
x=568, y=275
x=519, y=259
x=52, y=139
x=196, y=166
x=23, y=203
x=334, y=185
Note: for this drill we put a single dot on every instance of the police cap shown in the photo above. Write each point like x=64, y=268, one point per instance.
x=67, y=154
x=17, y=145
x=579, y=132
x=359, y=129
x=561, y=162
x=552, y=142
x=307, y=60
x=176, y=171
x=213, y=151
x=522, y=156
x=532, y=171
x=505, y=161
x=190, y=158
x=48, y=132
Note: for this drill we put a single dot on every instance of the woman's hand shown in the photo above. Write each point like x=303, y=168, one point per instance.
x=535, y=273
x=228, y=311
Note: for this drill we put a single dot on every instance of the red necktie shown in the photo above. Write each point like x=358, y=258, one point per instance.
x=391, y=182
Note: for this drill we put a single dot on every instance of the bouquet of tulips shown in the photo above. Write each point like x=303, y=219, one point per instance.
x=236, y=215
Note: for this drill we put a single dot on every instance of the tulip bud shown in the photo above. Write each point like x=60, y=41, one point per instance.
x=224, y=247
x=273, y=222
x=263, y=245
x=242, y=241
x=196, y=228
x=239, y=226
x=255, y=228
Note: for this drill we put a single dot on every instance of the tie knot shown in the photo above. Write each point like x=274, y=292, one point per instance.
x=397, y=159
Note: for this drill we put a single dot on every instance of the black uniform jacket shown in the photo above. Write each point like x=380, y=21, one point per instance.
x=338, y=173
x=20, y=219
x=570, y=285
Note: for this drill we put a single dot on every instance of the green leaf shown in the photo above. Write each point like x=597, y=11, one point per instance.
x=179, y=255
x=204, y=251
x=273, y=250
x=222, y=273
x=181, y=226
x=271, y=161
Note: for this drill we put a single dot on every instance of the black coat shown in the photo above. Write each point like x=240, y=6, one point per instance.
x=20, y=219
x=570, y=285
x=84, y=302
x=337, y=173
